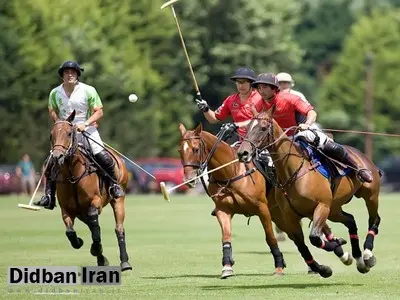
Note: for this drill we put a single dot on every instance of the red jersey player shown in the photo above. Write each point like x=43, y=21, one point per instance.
x=238, y=105
x=291, y=110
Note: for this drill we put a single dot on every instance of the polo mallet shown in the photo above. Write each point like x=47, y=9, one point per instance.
x=30, y=206
x=170, y=3
x=166, y=192
x=131, y=161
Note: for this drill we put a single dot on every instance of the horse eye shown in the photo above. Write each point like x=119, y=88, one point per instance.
x=69, y=134
x=195, y=150
x=264, y=128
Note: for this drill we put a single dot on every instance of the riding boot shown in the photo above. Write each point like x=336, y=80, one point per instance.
x=48, y=200
x=107, y=163
x=340, y=153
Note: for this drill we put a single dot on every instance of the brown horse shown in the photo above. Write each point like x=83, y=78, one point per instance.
x=237, y=189
x=309, y=194
x=82, y=194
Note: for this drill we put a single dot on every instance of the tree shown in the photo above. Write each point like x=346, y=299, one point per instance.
x=320, y=34
x=226, y=34
x=342, y=95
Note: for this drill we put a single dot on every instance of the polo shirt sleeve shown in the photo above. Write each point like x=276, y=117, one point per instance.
x=300, y=105
x=223, y=111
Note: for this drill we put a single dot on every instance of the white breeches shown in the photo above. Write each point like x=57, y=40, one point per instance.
x=95, y=142
x=310, y=136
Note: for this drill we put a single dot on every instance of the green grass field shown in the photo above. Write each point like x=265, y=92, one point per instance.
x=175, y=251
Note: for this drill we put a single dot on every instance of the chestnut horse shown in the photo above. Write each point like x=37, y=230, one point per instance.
x=236, y=189
x=81, y=194
x=309, y=194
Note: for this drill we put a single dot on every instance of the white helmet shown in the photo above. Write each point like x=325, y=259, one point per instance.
x=286, y=77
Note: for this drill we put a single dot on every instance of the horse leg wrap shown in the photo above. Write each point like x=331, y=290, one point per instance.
x=93, y=222
x=227, y=254
x=123, y=255
x=355, y=245
x=369, y=241
x=73, y=239
x=338, y=251
x=278, y=257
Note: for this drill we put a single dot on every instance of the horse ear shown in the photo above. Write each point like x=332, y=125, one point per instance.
x=71, y=117
x=182, y=129
x=198, y=129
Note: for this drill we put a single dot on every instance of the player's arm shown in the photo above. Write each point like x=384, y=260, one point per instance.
x=53, y=107
x=95, y=106
x=214, y=116
x=210, y=116
x=305, y=109
x=311, y=117
x=53, y=115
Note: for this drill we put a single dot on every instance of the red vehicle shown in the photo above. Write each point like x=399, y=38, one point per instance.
x=168, y=170
x=9, y=181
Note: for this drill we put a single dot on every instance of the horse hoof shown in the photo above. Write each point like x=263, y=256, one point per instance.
x=78, y=244
x=125, y=266
x=96, y=249
x=361, y=267
x=102, y=261
x=369, y=258
x=325, y=271
x=346, y=259
x=227, y=271
x=341, y=241
x=279, y=272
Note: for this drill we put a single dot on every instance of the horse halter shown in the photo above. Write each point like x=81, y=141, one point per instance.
x=202, y=150
x=73, y=145
x=267, y=132
x=203, y=163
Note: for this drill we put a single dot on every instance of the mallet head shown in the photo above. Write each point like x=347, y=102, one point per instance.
x=169, y=3
x=30, y=207
x=164, y=191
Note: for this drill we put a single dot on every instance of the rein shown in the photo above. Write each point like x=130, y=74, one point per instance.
x=203, y=163
x=70, y=152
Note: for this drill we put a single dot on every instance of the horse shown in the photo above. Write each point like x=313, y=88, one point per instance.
x=81, y=192
x=307, y=193
x=237, y=189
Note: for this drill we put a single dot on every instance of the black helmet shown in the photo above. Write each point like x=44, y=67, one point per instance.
x=266, y=78
x=244, y=73
x=70, y=65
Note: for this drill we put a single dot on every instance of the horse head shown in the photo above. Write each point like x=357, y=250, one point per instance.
x=192, y=152
x=63, y=139
x=260, y=133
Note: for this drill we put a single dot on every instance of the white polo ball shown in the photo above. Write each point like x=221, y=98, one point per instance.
x=133, y=98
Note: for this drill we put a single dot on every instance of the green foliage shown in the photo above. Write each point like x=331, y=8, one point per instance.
x=343, y=95
x=224, y=35
x=133, y=47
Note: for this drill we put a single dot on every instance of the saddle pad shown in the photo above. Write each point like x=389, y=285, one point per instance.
x=325, y=167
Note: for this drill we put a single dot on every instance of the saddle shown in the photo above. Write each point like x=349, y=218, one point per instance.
x=93, y=166
x=326, y=166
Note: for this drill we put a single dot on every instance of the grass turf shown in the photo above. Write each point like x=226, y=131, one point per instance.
x=175, y=251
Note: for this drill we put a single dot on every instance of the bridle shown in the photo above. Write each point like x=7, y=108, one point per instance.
x=266, y=135
x=73, y=145
x=201, y=166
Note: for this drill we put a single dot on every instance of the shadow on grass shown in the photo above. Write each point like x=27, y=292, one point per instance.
x=216, y=276
x=274, y=286
x=266, y=252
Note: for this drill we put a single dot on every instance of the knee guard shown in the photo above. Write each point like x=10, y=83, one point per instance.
x=334, y=150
